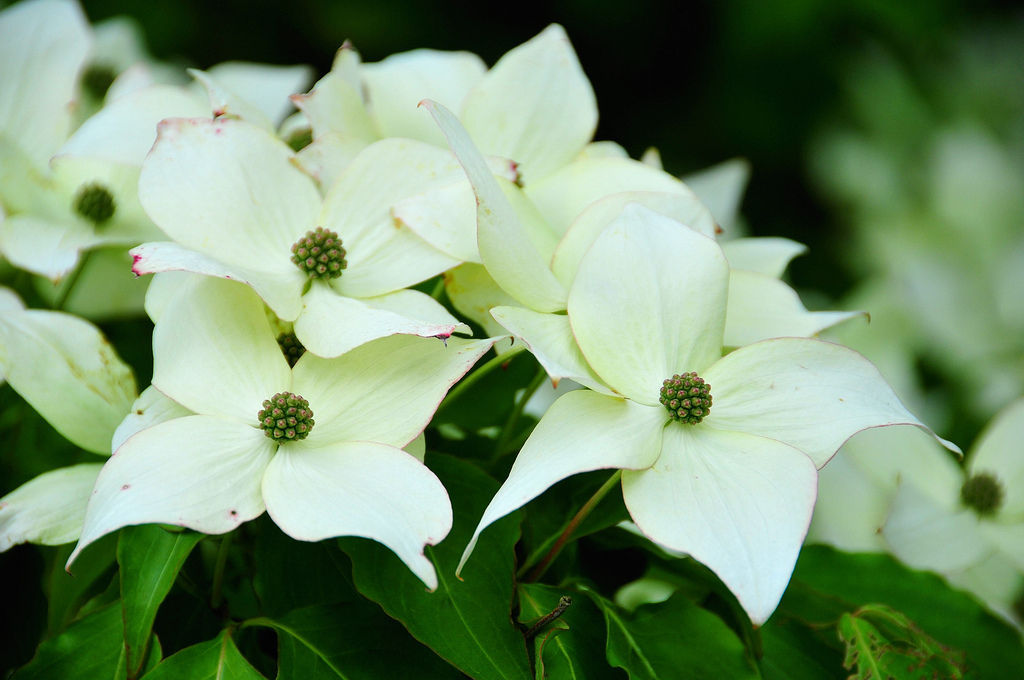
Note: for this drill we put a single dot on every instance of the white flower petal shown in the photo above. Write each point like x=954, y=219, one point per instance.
x=43, y=45
x=280, y=289
x=445, y=218
x=996, y=581
x=64, y=367
x=47, y=247
x=224, y=102
x=384, y=256
x=230, y=190
x=103, y=289
x=581, y=431
x=682, y=207
x=328, y=157
x=737, y=503
x=384, y=391
x=397, y=84
x=811, y=394
x=359, y=489
x=769, y=255
x=649, y=301
x=721, y=188
x=199, y=472
x=762, y=307
x=1009, y=538
x=334, y=106
x=535, y=105
x=49, y=509
x=549, y=338
x=998, y=452
x=332, y=324
x=936, y=535
x=215, y=353
x=511, y=257
x=164, y=287
x=561, y=197
x=151, y=408
x=124, y=130
x=266, y=87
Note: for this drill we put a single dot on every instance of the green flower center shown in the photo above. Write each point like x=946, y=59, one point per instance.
x=291, y=347
x=95, y=203
x=319, y=254
x=286, y=417
x=982, y=493
x=687, y=398
x=97, y=79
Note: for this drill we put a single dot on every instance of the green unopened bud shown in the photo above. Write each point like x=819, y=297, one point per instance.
x=97, y=79
x=291, y=347
x=319, y=254
x=95, y=203
x=286, y=417
x=982, y=493
x=687, y=398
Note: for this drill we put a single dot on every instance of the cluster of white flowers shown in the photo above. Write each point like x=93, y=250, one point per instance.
x=294, y=367
x=936, y=215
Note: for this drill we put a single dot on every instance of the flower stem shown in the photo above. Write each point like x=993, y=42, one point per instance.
x=218, y=571
x=62, y=296
x=472, y=379
x=571, y=527
x=517, y=411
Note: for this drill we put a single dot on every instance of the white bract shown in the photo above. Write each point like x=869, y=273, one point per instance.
x=969, y=526
x=66, y=370
x=232, y=198
x=215, y=354
x=736, y=490
x=537, y=268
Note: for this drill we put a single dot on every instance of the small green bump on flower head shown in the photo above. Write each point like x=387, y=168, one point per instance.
x=291, y=347
x=319, y=254
x=982, y=493
x=94, y=203
x=286, y=417
x=300, y=139
x=97, y=79
x=687, y=397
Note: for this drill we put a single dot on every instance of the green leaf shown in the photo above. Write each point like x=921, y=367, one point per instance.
x=796, y=652
x=883, y=643
x=90, y=574
x=468, y=621
x=92, y=648
x=573, y=648
x=828, y=583
x=674, y=639
x=150, y=558
x=290, y=574
x=549, y=514
x=216, y=659
x=350, y=641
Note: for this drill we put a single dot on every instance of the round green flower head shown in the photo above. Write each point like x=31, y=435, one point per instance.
x=97, y=79
x=319, y=254
x=286, y=417
x=94, y=203
x=982, y=493
x=687, y=397
x=291, y=347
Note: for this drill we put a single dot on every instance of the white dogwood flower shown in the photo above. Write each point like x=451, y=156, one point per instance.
x=237, y=207
x=317, y=445
x=720, y=453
